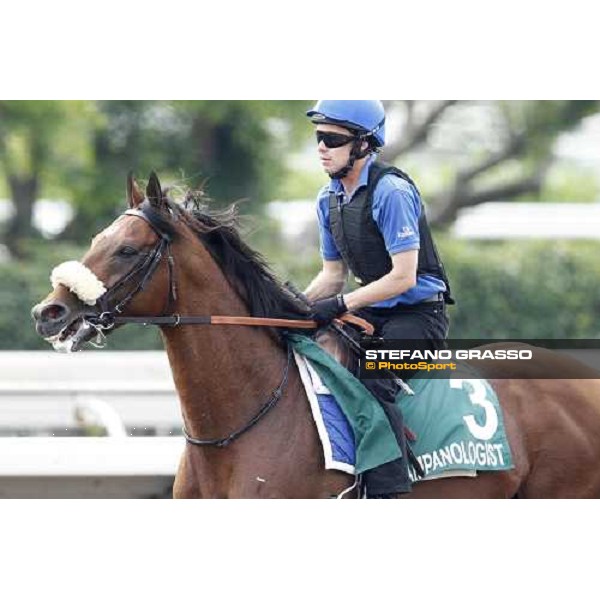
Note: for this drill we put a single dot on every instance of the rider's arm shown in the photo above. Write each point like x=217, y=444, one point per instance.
x=400, y=279
x=329, y=282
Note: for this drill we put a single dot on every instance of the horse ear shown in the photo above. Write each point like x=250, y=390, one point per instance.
x=153, y=191
x=134, y=195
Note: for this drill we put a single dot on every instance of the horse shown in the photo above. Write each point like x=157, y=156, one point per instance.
x=247, y=420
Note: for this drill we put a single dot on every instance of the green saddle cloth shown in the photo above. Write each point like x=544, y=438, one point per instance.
x=375, y=441
x=458, y=421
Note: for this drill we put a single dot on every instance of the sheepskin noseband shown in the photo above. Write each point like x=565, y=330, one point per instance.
x=79, y=279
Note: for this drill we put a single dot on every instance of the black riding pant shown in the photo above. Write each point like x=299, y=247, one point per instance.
x=427, y=321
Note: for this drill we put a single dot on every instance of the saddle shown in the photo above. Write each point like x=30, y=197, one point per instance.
x=339, y=347
x=341, y=340
x=343, y=344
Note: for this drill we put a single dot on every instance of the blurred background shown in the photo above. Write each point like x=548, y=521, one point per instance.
x=512, y=190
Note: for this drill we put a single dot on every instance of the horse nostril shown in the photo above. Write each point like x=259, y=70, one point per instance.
x=51, y=312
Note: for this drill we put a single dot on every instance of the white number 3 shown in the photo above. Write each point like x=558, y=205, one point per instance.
x=477, y=396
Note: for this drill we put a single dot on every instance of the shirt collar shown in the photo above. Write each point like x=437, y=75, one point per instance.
x=335, y=185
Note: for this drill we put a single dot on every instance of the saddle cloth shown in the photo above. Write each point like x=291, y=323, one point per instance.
x=459, y=424
x=335, y=433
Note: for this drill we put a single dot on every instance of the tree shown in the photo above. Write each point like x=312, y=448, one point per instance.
x=38, y=139
x=507, y=156
x=82, y=151
x=229, y=147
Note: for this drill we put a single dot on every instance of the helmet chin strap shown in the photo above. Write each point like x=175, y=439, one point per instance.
x=355, y=154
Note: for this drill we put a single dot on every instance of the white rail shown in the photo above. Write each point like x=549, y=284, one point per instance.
x=117, y=390
x=45, y=390
x=142, y=467
x=87, y=456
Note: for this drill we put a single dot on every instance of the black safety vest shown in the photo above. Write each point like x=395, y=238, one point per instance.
x=360, y=242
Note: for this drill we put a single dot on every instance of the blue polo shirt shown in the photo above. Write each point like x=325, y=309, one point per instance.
x=396, y=211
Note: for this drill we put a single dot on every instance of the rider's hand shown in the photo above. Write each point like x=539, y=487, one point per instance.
x=324, y=311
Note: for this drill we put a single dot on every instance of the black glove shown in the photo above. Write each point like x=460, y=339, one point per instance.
x=324, y=311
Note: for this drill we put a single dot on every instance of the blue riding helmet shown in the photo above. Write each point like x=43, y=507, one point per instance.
x=367, y=116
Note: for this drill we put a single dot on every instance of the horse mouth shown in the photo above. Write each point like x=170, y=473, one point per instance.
x=72, y=337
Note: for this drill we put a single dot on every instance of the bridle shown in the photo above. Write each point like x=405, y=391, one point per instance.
x=109, y=317
x=145, y=270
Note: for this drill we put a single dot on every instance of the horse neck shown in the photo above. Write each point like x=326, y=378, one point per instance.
x=223, y=373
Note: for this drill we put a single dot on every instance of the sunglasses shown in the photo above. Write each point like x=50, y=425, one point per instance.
x=333, y=140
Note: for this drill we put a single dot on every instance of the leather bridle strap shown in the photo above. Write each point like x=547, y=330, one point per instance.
x=146, y=268
x=110, y=318
x=175, y=320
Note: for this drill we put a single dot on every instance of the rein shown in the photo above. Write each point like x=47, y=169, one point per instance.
x=146, y=268
x=108, y=318
x=108, y=321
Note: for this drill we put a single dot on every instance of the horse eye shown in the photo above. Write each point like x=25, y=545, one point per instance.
x=127, y=251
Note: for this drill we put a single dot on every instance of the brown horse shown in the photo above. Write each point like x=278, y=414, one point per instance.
x=242, y=400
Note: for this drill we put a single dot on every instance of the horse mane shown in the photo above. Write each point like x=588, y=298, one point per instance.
x=246, y=269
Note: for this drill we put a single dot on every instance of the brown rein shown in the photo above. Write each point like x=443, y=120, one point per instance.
x=291, y=323
x=176, y=320
x=109, y=318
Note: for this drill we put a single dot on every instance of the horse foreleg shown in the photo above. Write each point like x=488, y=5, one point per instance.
x=184, y=485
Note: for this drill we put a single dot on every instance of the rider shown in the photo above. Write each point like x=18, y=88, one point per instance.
x=372, y=222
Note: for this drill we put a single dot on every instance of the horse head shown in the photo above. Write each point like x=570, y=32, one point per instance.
x=122, y=272
x=130, y=271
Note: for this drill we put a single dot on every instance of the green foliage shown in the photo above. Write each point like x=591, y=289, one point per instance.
x=511, y=289
x=232, y=149
x=300, y=185
x=495, y=150
x=568, y=183
x=82, y=151
x=525, y=289
x=297, y=262
x=543, y=120
x=51, y=139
